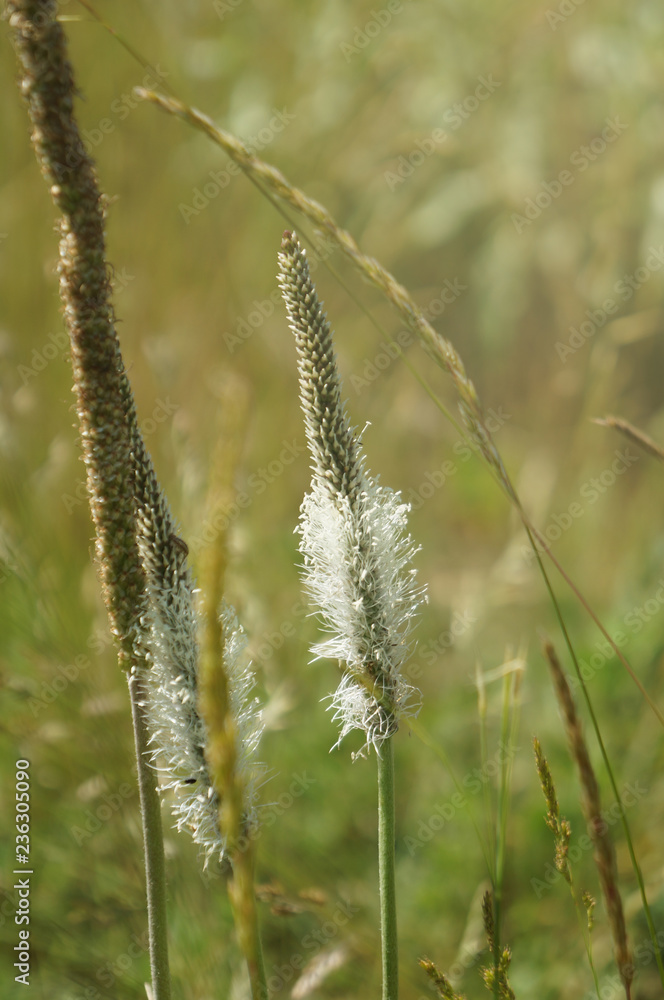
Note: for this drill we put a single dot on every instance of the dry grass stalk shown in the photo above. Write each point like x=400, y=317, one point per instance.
x=598, y=830
x=440, y=349
x=633, y=434
x=103, y=397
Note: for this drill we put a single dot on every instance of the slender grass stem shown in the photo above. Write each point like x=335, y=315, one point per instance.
x=215, y=695
x=243, y=901
x=386, y=872
x=153, y=841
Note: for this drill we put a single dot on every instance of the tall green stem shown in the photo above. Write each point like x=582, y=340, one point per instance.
x=243, y=900
x=386, y=872
x=153, y=841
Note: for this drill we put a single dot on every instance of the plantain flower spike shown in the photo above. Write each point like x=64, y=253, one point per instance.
x=356, y=551
x=169, y=627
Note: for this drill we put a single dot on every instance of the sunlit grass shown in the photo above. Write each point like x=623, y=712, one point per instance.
x=189, y=286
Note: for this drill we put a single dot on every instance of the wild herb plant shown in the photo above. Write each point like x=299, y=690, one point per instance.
x=142, y=562
x=356, y=559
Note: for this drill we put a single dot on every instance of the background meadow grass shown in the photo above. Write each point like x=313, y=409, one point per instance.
x=182, y=288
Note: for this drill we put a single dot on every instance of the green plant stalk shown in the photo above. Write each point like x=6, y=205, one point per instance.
x=214, y=695
x=243, y=900
x=153, y=842
x=386, y=871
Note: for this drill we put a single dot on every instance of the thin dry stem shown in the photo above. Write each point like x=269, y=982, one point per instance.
x=440, y=349
x=633, y=434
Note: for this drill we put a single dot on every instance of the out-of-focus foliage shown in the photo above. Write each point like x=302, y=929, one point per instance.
x=506, y=162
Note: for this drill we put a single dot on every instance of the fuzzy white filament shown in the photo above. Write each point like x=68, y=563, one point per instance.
x=168, y=631
x=357, y=552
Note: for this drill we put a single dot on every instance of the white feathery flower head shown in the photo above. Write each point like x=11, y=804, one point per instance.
x=169, y=634
x=178, y=733
x=357, y=551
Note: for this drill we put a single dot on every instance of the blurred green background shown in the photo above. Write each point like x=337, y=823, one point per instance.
x=557, y=313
